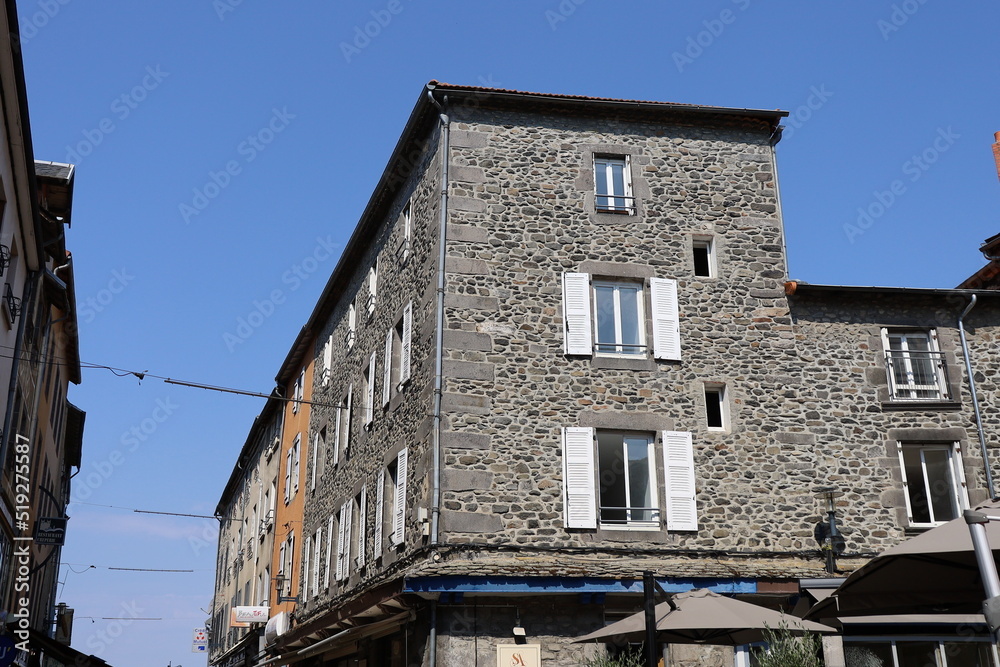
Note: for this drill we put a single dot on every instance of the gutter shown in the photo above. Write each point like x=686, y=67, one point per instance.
x=439, y=329
x=975, y=398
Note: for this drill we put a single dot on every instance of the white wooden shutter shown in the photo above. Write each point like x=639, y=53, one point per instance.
x=666, y=319
x=339, y=574
x=399, y=517
x=579, y=491
x=288, y=475
x=296, y=461
x=370, y=398
x=387, y=369
x=362, y=526
x=281, y=558
x=404, y=351
x=341, y=415
x=577, y=327
x=347, y=512
x=328, y=357
x=345, y=443
x=312, y=473
x=679, y=480
x=317, y=549
x=329, y=553
x=304, y=584
x=379, y=514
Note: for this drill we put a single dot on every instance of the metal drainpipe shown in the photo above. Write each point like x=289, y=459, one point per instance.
x=773, y=142
x=439, y=333
x=975, y=398
x=433, y=635
x=26, y=305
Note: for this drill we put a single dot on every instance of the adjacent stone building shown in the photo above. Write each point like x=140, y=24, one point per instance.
x=561, y=348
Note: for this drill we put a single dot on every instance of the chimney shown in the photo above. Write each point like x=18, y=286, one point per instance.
x=996, y=151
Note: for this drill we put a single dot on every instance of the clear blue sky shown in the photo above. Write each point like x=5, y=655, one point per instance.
x=154, y=96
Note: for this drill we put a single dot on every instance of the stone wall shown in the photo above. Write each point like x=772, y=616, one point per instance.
x=405, y=422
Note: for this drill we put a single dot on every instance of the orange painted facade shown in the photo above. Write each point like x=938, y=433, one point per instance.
x=296, y=381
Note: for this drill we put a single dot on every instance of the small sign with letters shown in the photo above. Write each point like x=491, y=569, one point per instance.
x=519, y=655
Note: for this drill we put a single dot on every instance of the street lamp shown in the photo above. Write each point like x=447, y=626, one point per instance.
x=829, y=538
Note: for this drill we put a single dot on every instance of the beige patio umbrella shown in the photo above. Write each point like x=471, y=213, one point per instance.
x=934, y=572
x=703, y=617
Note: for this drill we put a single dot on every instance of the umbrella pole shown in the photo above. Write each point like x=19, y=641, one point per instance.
x=648, y=590
x=987, y=567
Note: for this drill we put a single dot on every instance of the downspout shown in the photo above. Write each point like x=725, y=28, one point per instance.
x=975, y=398
x=773, y=142
x=432, y=636
x=27, y=304
x=439, y=332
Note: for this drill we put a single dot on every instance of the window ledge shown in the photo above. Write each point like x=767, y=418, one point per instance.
x=606, y=218
x=622, y=363
x=896, y=406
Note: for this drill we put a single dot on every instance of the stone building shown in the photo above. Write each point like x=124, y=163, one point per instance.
x=561, y=348
x=260, y=515
x=246, y=514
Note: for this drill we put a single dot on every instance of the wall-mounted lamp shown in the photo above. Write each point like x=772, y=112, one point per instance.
x=826, y=532
x=520, y=636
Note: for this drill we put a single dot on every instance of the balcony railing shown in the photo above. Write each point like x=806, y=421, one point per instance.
x=13, y=303
x=615, y=204
x=630, y=516
x=916, y=375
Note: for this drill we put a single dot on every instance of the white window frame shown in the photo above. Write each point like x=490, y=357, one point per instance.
x=310, y=543
x=654, y=523
x=329, y=553
x=706, y=243
x=298, y=391
x=327, y=360
x=956, y=470
x=720, y=399
x=288, y=475
x=352, y=324
x=296, y=462
x=604, y=174
x=907, y=392
x=372, y=286
x=580, y=317
x=641, y=348
x=677, y=501
x=369, y=414
x=362, y=527
x=407, y=216
x=317, y=549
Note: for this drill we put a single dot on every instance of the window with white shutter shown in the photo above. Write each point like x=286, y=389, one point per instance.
x=317, y=548
x=369, y=377
x=387, y=369
x=608, y=317
x=407, y=340
x=679, y=480
x=339, y=572
x=399, y=499
x=329, y=553
x=379, y=527
x=576, y=314
x=666, y=319
x=362, y=526
x=626, y=468
x=296, y=461
x=579, y=493
x=306, y=555
x=288, y=475
x=347, y=516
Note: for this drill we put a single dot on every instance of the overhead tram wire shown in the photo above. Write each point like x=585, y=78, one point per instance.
x=141, y=375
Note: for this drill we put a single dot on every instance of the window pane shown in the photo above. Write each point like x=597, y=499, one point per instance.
x=640, y=481
x=605, y=305
x=868, y=654
x=702, y=266
x=916, y=654
x=968, y=654
x=939, y=472
x=629, y=302
x=916, y=491
x=601, y=176
x=611, y=470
